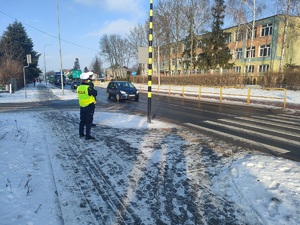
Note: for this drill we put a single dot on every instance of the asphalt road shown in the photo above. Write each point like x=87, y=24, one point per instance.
x=271, y=130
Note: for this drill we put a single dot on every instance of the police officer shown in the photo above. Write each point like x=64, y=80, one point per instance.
x=90, y=81
x=87, y=104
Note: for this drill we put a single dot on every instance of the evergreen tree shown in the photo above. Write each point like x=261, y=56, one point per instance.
x=215, y=53
x=14, y=46
x=85, y=69
x=76, y=64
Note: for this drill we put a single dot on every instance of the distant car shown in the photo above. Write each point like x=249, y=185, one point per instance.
x=57, y=80
x=122, y=90
x=75, y=84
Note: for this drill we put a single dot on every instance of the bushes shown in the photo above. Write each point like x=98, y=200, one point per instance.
x=292, y=80
x=289, y=80
x=11, y=69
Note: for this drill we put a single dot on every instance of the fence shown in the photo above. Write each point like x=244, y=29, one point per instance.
x=247, y=94
x=233, y=93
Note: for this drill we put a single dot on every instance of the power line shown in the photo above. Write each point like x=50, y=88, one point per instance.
x=53, y=36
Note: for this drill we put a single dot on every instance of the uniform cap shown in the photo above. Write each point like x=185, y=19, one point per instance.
x=90, y=73
x=84, y=76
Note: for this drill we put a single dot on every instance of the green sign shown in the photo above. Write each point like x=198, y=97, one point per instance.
x=76, y=74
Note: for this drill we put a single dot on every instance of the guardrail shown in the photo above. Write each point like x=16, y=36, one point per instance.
x=246, y=94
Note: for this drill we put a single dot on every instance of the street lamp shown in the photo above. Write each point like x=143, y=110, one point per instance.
x=61, y=72
x=45, y=61
x=28, y=59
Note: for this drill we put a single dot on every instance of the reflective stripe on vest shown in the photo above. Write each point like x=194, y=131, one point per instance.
x=83, y=96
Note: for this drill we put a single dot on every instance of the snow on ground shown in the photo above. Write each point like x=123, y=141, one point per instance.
x=263, y=189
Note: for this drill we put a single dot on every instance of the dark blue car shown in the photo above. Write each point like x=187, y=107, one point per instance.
x=122, y=90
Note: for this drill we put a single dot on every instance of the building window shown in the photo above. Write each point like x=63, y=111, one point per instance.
x=178, y=62
x=266, y=30
x=173, y=62
x=173, y=50
x=237, y=69
x=249, y=35
x=250, y=54
x=227, y=38
x=238, y=36
x=249, y=69
x=265, y=50
x=239, y=53
x=263, y=68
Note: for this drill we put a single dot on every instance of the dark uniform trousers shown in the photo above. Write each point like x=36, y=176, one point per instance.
x=86, y=118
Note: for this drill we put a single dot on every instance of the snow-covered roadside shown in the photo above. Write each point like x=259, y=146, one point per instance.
x=263, y=186
x=27, y=188
x=260, y=186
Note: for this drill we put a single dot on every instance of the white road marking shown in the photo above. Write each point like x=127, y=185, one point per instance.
x=263, y=121
x=270, y=147
x=284, y=118
x=296, y=143
x=275, y=130
x=276, y=120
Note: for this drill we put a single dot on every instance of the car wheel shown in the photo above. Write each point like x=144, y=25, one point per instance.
x=118, y=97
x=136, y=99
x=108, y=95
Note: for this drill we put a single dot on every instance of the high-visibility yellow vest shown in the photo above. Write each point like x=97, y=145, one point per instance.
x=83, y=96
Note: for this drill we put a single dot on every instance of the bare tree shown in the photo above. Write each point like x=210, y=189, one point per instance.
x=106, y=49
x=287, y=8
x=198, y=16
x=238, y=15
x=179, y=29
x=138, y=37
x=116, y=50
x=245, y=10
x=162, y=30
x=170, y=28
x=200, y=9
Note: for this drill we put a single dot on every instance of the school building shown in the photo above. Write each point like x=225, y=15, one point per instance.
x=264, y=56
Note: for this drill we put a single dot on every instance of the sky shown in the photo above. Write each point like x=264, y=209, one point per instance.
x=82, y=24
x=264, y=189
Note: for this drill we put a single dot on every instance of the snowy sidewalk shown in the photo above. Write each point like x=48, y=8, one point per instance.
x=134, y=172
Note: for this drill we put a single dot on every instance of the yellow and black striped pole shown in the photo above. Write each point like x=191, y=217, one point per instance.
x=150, y=61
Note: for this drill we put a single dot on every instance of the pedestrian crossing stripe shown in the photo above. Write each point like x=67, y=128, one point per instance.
x=296, y=143
x=285, y=118
x=254, y=143
x=275, y=120
x=264, y=121
x=275, y=130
